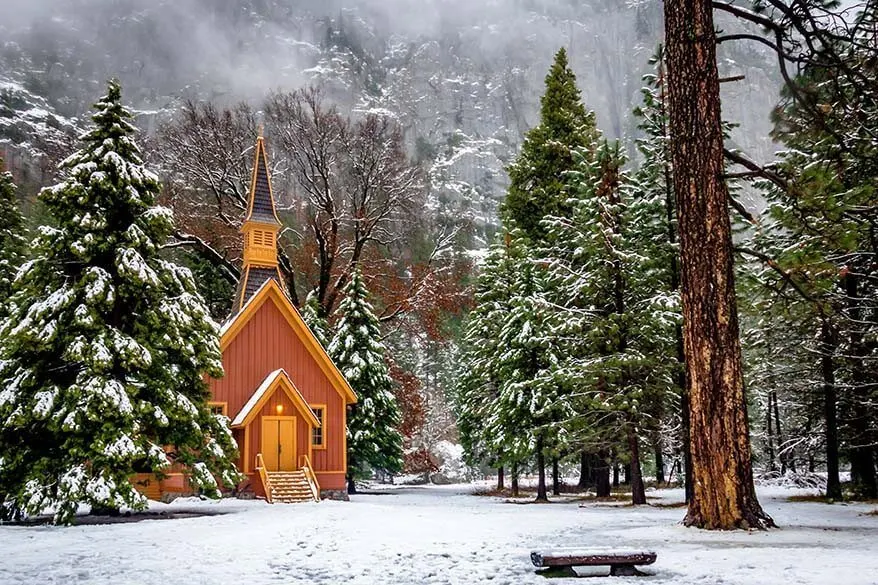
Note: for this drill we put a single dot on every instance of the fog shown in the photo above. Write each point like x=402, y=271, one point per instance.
x=462, y=76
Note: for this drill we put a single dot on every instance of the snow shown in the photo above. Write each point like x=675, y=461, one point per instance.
x=257, y=396
x=440, y=535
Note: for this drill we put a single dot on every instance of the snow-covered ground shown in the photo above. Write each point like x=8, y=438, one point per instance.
x=440, y=535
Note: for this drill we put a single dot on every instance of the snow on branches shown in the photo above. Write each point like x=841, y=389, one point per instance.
x=107, y=345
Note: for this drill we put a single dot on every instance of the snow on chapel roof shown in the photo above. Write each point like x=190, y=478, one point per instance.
x=262, y=393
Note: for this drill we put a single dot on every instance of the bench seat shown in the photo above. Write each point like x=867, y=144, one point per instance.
x=621, y=563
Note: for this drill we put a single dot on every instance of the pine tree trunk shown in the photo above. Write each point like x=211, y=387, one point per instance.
x=680, y=378
x=688, y=484
x=352, y=486
x=659, y=463
x=638, y=493
x=500, y=479
x=770, y=432
x=724, y=496
x=626, y=474
x=556, y=480
x=602, y=475
x=541, y=472
x=615, y=474
x=830, y=402
x=584, y=470
x=515, y=481
x=787, y=461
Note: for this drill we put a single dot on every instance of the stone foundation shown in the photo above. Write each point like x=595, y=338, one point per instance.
x=340, y=495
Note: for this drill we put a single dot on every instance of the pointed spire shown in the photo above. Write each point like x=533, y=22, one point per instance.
x=260, y=229
x=260, y=207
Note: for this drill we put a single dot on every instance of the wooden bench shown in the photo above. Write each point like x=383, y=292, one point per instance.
x=560, y=563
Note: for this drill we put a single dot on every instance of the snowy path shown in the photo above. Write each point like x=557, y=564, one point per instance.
x=439, y=535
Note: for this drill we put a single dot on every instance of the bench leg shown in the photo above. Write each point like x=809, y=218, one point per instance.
x=626, y=571
x=556, y=572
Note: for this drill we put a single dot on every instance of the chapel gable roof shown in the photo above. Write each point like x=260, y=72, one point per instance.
x=270, y=291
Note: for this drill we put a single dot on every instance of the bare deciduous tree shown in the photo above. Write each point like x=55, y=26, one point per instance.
x=347, y=190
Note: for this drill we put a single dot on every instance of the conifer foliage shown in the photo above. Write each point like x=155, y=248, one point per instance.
x=537, y=183
x=314, y=320
x=479, y=382
x=11, y=240
x=507, y=402
x=107, y=345
x=569, y=350
x=374, y=440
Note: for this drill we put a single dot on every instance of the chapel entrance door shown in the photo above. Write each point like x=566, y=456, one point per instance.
x=279, y=443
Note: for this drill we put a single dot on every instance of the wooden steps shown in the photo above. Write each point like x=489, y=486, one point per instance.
x=290, y=487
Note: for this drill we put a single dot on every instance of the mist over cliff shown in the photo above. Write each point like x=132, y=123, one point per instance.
x=462, y=77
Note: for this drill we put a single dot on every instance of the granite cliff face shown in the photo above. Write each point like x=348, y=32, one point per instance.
x=463, y=78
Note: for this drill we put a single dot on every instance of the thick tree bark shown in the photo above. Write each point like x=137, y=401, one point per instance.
x=541, y=472
x=500, y=479
x=585, y=470
x=352, y=486
x=556, y=480
x=615, y=474
x=638, y=494
x=602, y=475
x=684, y=422
x=515, y=481
x=680, y=378
x=724, y=496
x=830, y=404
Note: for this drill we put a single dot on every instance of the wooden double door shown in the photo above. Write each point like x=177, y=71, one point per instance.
x=279, y=443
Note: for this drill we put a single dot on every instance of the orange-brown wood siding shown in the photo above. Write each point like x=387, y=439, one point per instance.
x=238, y=435
x=331, y=481
x=265, y=344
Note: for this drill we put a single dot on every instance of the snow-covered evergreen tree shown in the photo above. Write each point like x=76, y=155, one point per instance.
x=105, y=352
x=508, y=407
x=478, y=380
x=374, y=440
x=314, y=320
x=12, y=242
x=528, y=399
x=817, y=246
x=616, y=318
x=537, y=187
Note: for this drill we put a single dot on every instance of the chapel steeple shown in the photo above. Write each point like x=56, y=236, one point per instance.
x=260, y=230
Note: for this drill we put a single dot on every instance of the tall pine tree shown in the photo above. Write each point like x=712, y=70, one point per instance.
x=374, y=441
x=528, y=402
x=655, y=214
x=724, y=496
x=107, y=346
x=480, y=379
x=615, y=317
x=537, y=185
